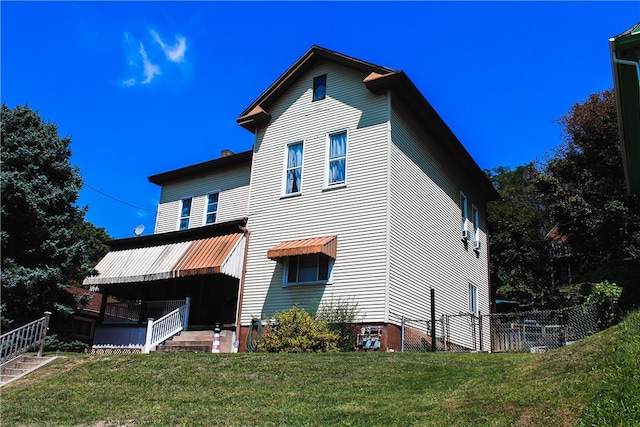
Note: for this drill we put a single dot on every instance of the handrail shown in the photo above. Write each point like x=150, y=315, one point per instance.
x=24, y=338
x=167, y=326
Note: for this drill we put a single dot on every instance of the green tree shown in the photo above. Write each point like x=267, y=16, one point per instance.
x=44, y=236
x=520, y=266
x=584, y=191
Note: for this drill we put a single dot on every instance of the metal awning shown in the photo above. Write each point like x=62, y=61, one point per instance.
x=220, y=254
x=327, y=245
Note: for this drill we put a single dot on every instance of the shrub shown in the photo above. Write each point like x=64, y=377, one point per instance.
x=606, y=296
x=56, y=343
x=296, y=331
x=341, y=316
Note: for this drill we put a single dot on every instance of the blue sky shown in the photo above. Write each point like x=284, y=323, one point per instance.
x=147, y=87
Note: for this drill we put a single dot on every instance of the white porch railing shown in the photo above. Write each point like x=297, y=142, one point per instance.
x=167, y=326
x=24, y=338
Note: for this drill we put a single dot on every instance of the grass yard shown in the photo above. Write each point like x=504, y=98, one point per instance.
x=593, y=382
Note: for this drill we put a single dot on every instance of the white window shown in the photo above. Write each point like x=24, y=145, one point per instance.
x=212, y=207
x=293, y=168
x=463, y=208
x=337, y=159
x=319, y=87
x=307, y=269
x=185, y=213
x=473, y=299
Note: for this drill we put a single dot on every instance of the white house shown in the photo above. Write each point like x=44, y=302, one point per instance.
x=355, y=190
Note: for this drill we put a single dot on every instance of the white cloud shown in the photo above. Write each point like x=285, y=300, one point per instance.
x=174, y=53
x=150, y=69
x=129, y=82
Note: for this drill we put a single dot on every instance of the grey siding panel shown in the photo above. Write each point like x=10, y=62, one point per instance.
x=233, y=202
x=355, y=213
x=426, y=249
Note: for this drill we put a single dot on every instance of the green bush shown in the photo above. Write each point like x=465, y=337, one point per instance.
x=296, y=331
x=606, y=296
x=56, y=343
x=342, y=318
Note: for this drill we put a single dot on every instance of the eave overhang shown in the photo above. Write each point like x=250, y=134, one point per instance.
x=625, y=56
x=204, y=168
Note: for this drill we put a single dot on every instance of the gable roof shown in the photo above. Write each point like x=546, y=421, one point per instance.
x=378, y=80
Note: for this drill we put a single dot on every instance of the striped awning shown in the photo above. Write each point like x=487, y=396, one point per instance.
x=220, y=254
x=327, y=245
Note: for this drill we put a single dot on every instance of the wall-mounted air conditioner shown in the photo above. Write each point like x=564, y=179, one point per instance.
x=466, y=231
x=477, y=245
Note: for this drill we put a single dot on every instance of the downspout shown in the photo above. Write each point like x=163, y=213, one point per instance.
x=247, y=233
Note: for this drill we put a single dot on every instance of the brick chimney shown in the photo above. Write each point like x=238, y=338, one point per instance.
x=226, y=153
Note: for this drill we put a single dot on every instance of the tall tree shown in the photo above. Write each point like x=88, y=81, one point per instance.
x=584, y=189
x=520, y=264
x=43, y=247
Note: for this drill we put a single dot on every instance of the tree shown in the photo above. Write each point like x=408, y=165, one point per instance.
x=583, y=188
x=44, y=246
x=520, y=265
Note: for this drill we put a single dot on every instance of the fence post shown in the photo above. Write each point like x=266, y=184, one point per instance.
x=43, y=335
x=446, y=338
x=402, y=336
x=147, y=343
x=561, y=334
x=480, y=328
x=433, y=320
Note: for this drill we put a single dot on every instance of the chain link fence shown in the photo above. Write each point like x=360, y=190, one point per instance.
x=508, y=332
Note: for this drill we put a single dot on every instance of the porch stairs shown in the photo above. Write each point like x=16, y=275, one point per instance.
x=196, y=342
x=22, y=365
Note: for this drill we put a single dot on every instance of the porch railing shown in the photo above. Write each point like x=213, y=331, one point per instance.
x=135, y=312
x=24, y=338
x=167, y=326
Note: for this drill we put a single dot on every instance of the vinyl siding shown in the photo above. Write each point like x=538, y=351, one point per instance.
x=355, y=213
x=233, y=185
x=426, y=250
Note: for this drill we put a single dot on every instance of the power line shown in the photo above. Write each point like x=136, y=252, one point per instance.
x=116, y=199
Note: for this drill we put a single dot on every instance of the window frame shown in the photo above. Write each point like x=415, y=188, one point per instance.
x=206, y=207
x=286, y=169
x=287, y=262
x=475, y=218
x=316, y=86
x=187, y=217
x=473, y=299
x=328, y=159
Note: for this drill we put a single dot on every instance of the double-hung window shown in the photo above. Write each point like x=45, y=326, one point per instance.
x=337, y=159
x=293, y=168
x=307, y=269
x=185, y=213
x=463, y=209
x=473, y=299
x=212, y=207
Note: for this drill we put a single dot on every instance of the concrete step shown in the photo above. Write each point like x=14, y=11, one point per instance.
x=197, y=341
x=21, y=366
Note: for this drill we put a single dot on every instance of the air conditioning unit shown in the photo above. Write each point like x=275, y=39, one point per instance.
x=477, y=245
x=466, y=232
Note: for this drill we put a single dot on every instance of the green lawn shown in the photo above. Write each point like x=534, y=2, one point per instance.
x=593, y=382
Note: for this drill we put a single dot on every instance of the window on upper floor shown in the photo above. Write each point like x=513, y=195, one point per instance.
x=476, y=220
x=337, y=159
x=212, y=207
x=293, y=168
x=319, y=87
x=308, y=269
x=185, y=213
x=473, y=299
x=463, y=215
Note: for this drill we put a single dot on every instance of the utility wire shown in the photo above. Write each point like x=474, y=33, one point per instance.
x=116, y=199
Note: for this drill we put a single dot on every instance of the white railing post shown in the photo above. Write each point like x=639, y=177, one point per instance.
x=43, y=335
x=147, y=343
x=185, y=321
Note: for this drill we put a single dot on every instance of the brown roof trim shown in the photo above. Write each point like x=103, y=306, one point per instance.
x=203, y=232
x=327, y=245
x=250, y=121
x=202, y=168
